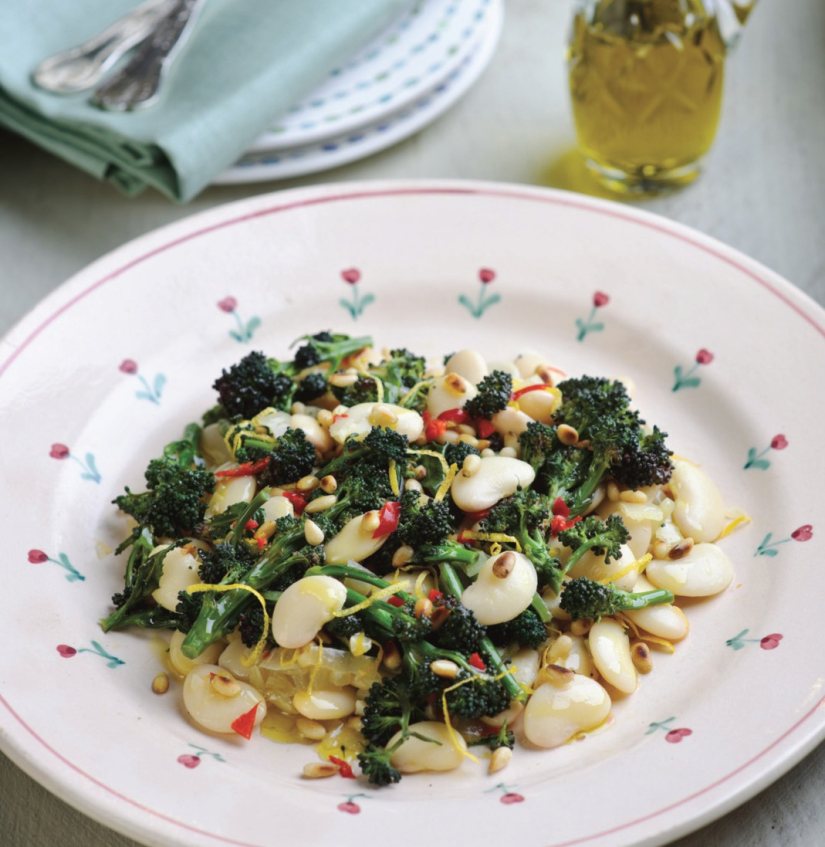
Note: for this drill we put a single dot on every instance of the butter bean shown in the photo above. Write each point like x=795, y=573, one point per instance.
x=704, y=571
x=700, y=510
x=357, y=420
x=554, y=715
x=595, y=567
x=610, y=649
x=663, y=620
x=304, y=608
x=179, y=571
x=450, y=391
x=352, y=542
x=228, y=492
x=496, y=477
x=216, y=711
x=467, y=363
x=415, y=755
x=278, y=507
x=182, y=664
x=325, y=705
x=314, y=432
x=571, y=652
x=494, y=599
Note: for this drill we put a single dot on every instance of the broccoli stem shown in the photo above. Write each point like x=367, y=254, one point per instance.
x=452, y=586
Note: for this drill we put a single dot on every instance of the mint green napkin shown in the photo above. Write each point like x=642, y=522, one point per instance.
x=246, y=62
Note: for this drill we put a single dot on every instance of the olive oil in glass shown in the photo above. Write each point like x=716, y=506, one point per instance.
x=646, y=80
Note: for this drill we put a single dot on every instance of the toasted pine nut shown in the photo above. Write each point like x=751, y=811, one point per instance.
x=471, y=465
x=455, y=384
x=439, y=615
x=412, y=485
x=310, y=729
x=402, y=555
x=297, y=408
x=423, y=607
x=307, y=483
x=545, y=374
x=329, y=484
x=448, y=437
x=640, y=653
x=369, y=522
x=355, y=723
x=468, y=439
x=160, y=684
x=265, y=530
x=444, y=668
x=325, y=418
x=510, y=440
x=500, y=759
x=360, y=706
x=466, y=429
x=567, y=434
x=483, y=444
x=633, y=497
x=556, y=675
x=580, y=627
x=224, y=685
x=681, y=549
x=319, y=770
x=504, y=564
x=612, y=492
x=343, y=380
x=313, y=533
x=359, y=644
x=321, y=504
x=509, y=452
x=420, y=472
x=487, y=452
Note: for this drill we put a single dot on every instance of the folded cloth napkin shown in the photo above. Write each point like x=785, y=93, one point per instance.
x=247, y=61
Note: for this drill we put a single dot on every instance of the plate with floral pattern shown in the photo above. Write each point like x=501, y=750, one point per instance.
x=114, y=363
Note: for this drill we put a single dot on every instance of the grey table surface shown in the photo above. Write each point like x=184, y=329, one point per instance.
x=762, y=192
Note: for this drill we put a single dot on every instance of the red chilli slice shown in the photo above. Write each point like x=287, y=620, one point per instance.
x=527, y=389
x=561, y=508
x=388, y=518
x=344, y=768
x=298, y=501
x=433, y=427
x=395, y=600
x=458, y=416
x=246, y=469
x=484, y=428
x=244, y=724
x=477, y=662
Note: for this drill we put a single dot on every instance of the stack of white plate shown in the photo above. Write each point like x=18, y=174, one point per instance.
x=405, y=78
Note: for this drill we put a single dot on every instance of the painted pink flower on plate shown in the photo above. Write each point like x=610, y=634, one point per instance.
x=779, y=442
x=351, y=276
x=676, y=736
x=349, y=807
x=803, y=533
x=511, y=797
x=59, y=451
x=228, y=304
x=37, y=557
x=600, y=299
x=189, y=761
x=770, y=642
x=704, y=357
x=66, y=651
x=486, y=275
x=128, y=366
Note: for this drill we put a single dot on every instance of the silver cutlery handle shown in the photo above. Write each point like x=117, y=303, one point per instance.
x=137, y=84
x=83, y=67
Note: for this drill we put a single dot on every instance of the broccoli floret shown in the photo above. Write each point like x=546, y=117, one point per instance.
x=408, y=629
x=345, y=627
x=493, y=395
x=423, y=521
x=604, y=538
x=505, y=737
x=232, y=560
x=376, y=767
x=380, y=446
x=253, y=384
x=587, y=400
x=325, y=347
x=645, y=463
x=387, y=708
x=292, y=457
x=483, y=697
x=455, y=454
x=251, y=625
x=460, y=630
x=311, y=387
x=526, y=629
x=446, y=551
x=174, y=504
x=187, y=610
x=536, y=444
x=363, y=390
x=586, y=598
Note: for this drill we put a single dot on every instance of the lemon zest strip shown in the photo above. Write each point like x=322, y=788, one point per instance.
x=381, y=594
x=255, y=655
x=639, y=566
x=451, y=731
x=491, y=536
x=393, y=472
x=445, y=485
x=412, y=391
x=740, y=520
x=419, y=583
x=444, y=466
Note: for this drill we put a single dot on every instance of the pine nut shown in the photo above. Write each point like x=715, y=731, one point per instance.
x=224, y=685
x=510, y=440
x=439, y=615
x=360, y=706
x=310, y=729
x=359, y=644
x=448, y=437
x=328, y=484
x=382, y=415
x=504, y=564
x=510, y=452
x=466, y=429
x=319, y=770
x=370, y=522
x=633, y=497
x=266, y=530
x=320, y=504
x=160, y=684
x=471, y=465
x=423, y=607
x=392, y=656
x=354, y=723
x=544, y=374
x=580, y=627
x=486, y=451
x=483, y=444
x=455, y=384
x=567, y=434
x=612, y=492
x=468, y=439
x=500, y=759
x=297, y=408
x=444, y=668
x=420, y=472
x=562, y=647
x=325, y=418
x=412, y=485
x=313, y=533
x=556, y=675
x=681, y=549
x=402, y=555
x=343, y=380
x=307, y=483
x=640, y=653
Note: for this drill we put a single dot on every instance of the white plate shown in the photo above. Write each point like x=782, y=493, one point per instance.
x=400, y=66
x=77, y=401
x=390, y=129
